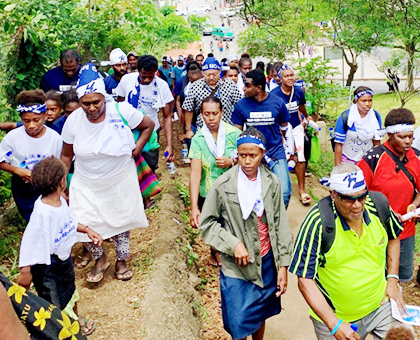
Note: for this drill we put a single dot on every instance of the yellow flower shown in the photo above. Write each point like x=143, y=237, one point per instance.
x=40, y=317
x=69, y=329
x=18, y=291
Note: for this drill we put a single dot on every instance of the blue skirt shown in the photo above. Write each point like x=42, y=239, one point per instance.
x=245, y=306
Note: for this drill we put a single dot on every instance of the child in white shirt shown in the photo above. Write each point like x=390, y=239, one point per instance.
x=48, y=239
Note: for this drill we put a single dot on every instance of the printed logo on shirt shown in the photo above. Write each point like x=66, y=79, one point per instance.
x=116, y=120
x=67, y=230
x=292, y=107
x=260, y=118
x=31, y=160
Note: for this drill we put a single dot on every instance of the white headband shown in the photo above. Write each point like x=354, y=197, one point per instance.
x=95, y=86
x=348, y=183
x=399, y=128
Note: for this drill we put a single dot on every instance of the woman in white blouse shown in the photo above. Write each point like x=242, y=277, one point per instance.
x=104, y=190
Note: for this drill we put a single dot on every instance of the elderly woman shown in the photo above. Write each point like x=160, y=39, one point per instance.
x=104, y=191
x=394, y=169
x=357, y=128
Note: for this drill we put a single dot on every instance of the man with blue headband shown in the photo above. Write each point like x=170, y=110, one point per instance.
x=346, y=257
x=210, y=84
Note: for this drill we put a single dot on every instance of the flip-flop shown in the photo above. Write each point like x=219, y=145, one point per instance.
x=83, y=322
x=119, y=275
x=305, y=198
x=98, y=276
x=81, y=262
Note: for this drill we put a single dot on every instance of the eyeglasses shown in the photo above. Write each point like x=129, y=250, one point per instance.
x=351, y=199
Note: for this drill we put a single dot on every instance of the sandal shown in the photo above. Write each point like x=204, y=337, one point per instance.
x=98, y=276
x=84, y=324
x=305, y=198
x=124, y=275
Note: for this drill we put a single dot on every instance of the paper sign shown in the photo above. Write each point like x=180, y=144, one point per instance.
x=412, y=318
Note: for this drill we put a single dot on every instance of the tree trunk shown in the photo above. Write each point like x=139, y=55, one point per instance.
x=353, y=69
x=352, y=64
x=410, y=48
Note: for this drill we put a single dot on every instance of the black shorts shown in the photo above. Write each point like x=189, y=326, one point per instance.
x=56, y=282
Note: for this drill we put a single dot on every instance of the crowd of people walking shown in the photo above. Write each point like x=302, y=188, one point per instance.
x=83, y=161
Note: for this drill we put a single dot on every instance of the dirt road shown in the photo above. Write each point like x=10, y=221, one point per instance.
x=293, y=322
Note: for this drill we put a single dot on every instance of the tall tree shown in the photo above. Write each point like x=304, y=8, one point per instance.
x=402, y=20
x=278, y=28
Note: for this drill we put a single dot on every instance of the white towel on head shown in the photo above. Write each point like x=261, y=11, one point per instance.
x=366, y=129
x=117, y=56
x=218, y=149
x=250, y=195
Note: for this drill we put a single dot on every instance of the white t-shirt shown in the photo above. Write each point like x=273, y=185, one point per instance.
x=21, y=150
x=102, y=150
x=151, y=99
x=51, y=230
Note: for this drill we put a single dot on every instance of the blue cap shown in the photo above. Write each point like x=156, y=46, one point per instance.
x=211, y=63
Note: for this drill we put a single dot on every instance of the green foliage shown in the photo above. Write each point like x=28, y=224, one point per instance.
x=198, y=23
x=184, y=192
x=278, y=28
x=166, y=10
x=318, y=90
x=33, y=32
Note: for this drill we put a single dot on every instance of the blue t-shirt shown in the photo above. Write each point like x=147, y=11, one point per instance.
x=292, y=105
x=266, y=116
x=167, y=72
x=179, y=86
x=110, y=84
x=178, y=72
x=59, y=123
x=56, y=77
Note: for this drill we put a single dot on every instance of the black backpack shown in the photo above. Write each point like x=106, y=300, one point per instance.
x=328, y=220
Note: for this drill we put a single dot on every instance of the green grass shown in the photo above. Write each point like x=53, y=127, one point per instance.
x=382, y=102
x=324, y=165
x=417, y=245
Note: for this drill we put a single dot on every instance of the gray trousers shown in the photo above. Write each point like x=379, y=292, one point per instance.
x=378, y=323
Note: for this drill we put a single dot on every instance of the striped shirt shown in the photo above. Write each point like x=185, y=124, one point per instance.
x=351, y=275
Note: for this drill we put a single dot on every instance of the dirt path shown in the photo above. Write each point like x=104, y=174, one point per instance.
x=293, y=322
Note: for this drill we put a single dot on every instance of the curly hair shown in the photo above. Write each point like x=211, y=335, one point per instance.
x=251, y=131
x=32, y=97
x=399, y=333
x=47, y=175
x=399, y=116
x=69, y=97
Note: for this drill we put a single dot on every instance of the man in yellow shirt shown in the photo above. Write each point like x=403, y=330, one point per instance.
x=348, y=268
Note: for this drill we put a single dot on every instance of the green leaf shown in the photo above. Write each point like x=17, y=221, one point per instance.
x=25, y=34
x=21, y=76
x=10, y=7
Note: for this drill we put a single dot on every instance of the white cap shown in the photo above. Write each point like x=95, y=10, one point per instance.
x=117, y=56
x=232, y=57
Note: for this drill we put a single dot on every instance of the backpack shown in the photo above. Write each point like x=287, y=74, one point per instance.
x=328, y=220
x=345, y=118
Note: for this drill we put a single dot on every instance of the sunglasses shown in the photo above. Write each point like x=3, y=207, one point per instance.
x=351, y=199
